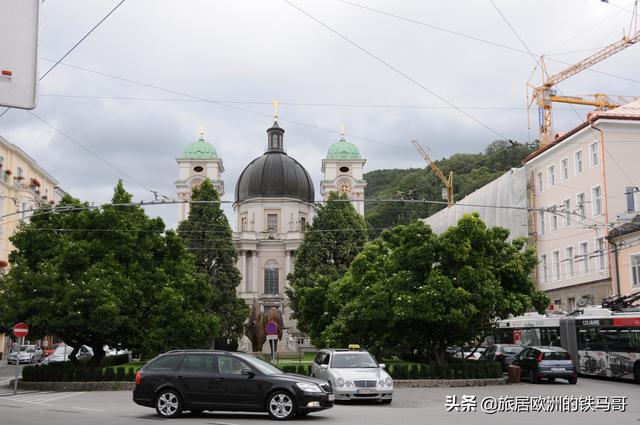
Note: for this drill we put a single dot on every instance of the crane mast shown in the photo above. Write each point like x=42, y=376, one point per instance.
x=447, y=181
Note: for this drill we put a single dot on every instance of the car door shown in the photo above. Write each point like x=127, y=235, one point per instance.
x=237, y=389
x=198, y=378
x=317, y=361
x=323, y=372
x=521, y=361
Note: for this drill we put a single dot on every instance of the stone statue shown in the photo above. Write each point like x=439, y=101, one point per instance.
x=244, y=344
x=254, y=328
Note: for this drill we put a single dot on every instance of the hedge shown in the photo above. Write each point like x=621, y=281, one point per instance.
x=452, y=370
x=64, y=372
x=299, y=369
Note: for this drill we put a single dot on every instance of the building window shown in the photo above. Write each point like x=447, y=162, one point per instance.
x=578, y=159
x=564, y=169
x=271, y=278
x=600, y=259
x=594, y=154
x=635, y=270
x=554, y=218
x=272, y=222
x=584, y=257
x=543, y=268
x=243, y=224
x=303, y=224
x=569, y=266
x=566, y=208
x=1, y=161
x=23, y=211
x=541, y=226
x=555, y=257
x=582, y=211
x=596, y=196
x=539, y=186
x=552, y=176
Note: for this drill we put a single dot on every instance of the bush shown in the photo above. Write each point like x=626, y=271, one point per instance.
x=114, y=360
x=131, y=374
x=121, y=374
x=109, y=375
x=289, y=369
x=304, y=370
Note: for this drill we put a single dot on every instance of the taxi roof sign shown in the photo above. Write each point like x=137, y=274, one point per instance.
x=354, y=346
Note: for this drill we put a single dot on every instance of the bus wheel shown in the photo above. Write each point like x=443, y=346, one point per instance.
x=636, y=372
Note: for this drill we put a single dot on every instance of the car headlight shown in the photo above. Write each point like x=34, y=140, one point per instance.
x=340, y=382
x=309, y=387
x=348, y=384
x=388, y=382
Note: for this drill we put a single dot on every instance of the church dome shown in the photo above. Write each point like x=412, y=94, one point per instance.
x=200, y=150
x=275, y=174
x=343, y=150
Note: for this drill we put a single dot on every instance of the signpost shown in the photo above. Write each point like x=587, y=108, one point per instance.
x=20, y=331
x=272, y=337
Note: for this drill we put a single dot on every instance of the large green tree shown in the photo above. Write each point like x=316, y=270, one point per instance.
x=411, y=291
x=208, y=235
x=106, y=276
x=337, y=235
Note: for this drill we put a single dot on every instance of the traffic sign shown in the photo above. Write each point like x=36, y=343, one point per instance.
x=21, y=330
x=272, y=328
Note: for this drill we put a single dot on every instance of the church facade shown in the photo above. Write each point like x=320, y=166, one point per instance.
x=274, y=201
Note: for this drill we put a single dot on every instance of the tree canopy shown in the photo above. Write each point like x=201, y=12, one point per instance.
x=411, y=291
x=337, y=235
x=106, y=276
x=208, y=235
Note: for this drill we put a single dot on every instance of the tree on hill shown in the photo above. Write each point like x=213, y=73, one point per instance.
x=411, y=291
x=105, y=276
x=337, y=235
x=208, y=235
x=470, y=172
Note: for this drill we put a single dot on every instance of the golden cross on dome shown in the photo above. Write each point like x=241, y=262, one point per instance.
x=201, y=131
x=342, y=131
x=275, y=103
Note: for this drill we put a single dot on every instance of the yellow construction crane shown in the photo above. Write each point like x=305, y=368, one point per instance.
x=544, y=95
x=447, y=193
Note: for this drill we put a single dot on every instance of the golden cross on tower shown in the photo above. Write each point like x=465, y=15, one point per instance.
x=341, y=131
x=276, y=103
x=201, y=131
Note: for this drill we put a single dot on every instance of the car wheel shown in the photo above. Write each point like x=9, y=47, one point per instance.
x=168, y=404
x=573, y=381
x=532, y=377
x=386, y=401
x=281, y=406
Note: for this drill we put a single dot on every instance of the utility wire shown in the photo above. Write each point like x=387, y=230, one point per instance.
x=393, y=68
x=74, y=46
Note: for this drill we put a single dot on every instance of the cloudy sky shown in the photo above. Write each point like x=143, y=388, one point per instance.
x=137, y=90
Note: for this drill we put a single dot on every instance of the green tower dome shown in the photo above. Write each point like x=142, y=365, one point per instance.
x=200, y=150
x=343, y=150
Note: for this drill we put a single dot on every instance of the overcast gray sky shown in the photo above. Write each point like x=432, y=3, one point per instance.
x=246, y=53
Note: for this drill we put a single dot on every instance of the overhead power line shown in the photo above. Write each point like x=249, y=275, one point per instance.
x=393, y=68
x=68, y=52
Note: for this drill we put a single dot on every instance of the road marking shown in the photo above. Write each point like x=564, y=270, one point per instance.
x=61, y=397
x=87, y=408
x=65, y=411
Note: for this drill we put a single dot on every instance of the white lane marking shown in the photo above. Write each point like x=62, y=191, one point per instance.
x=87, y=408
x=61, y=397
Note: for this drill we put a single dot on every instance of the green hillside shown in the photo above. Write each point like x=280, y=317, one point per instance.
x=470, y=171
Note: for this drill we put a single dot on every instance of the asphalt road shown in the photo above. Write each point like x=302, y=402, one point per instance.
x=410, y=406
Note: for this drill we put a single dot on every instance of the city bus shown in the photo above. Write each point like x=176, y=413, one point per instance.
x=603, y=342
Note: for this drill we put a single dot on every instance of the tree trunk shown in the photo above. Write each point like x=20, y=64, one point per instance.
x=98, y=355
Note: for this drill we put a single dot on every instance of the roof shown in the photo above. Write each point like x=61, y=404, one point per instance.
x=629, y=111
x=200, y=149
x=626, y=228
x=343, y=150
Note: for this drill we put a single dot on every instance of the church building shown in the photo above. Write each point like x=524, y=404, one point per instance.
x=274, y=201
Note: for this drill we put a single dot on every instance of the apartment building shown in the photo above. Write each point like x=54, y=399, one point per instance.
x=579, y=185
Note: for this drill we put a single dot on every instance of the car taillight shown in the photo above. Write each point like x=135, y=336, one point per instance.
x=539, y=358
x=138, y=377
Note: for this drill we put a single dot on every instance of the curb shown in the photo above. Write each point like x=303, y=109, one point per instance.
x=427, y=383
x=129, y=386
x=75, y=386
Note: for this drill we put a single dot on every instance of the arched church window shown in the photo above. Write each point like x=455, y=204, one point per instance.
x=271, y=278
x=303, y=223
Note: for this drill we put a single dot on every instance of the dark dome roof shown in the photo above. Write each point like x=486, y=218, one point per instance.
x=275, y=174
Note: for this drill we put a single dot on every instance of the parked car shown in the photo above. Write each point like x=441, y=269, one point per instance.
x=219, y=380
x=546, y=363
x=503, y=353
x=354, y=374
x=468, y=353
x=26, y=354
x=62, y=352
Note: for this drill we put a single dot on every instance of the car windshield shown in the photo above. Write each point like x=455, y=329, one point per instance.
x=261, y=365
x=353, y=360
x=511, y=350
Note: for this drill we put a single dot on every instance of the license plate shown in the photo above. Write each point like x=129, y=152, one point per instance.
x=557, y=369
x=366, y=390
x=332, y=397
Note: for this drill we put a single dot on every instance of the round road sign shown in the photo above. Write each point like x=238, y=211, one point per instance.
x=272, y=328
x=21, y=330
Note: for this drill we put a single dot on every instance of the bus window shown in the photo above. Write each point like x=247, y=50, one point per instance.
x=631, y=338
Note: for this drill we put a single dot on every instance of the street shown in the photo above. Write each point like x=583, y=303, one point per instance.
x=410, y=406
